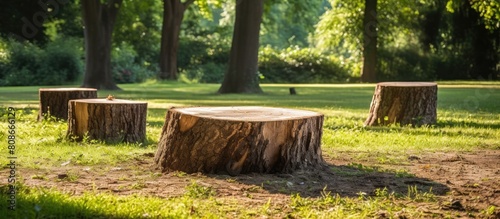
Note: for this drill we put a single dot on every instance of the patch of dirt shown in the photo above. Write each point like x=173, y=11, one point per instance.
x=466, y=183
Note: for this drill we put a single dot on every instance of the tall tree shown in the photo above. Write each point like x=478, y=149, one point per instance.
x=241, y=75
x=99, y=19
x=173, y=13
x=475, y=38
x=368, y=73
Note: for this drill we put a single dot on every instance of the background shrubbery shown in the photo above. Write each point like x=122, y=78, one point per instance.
x=316, y=41
x=57, y=62
x=206, y=62
x=125, y=66
x=296, y=65
x=203, y=59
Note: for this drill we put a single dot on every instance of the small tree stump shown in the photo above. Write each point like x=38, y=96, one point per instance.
x=110, y=120
x=239, y=140
x=403, y=103
x=54, y=101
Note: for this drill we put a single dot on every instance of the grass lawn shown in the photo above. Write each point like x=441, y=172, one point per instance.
x=374, y=172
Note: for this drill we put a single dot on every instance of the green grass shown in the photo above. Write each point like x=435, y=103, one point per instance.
x=197, y=203
x=468, y=119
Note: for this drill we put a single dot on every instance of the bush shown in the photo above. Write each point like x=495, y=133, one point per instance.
x=202, y=60
x=21, y=64
x=205, y=73
x=27, y=64
x=404, y=64
x=125, y=68
x=296, y=65
x=62, y=62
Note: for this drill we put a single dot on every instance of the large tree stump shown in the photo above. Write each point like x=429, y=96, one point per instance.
x=110, y=120
x=239, y=140
x=403, y=103
x=54, y=101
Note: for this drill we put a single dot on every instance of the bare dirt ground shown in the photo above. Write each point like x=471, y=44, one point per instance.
x=464, y=182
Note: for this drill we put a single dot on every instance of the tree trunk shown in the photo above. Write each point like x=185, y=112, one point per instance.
x=99, y=20
x=173, y=13
x=403, y=103
x=370, y=42
x=239, y=140
x=110, y=120
x=241, y=76
x=54, y=101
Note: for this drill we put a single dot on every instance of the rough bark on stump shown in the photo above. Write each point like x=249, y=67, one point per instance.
x=112, y=120
x=54, y=101
x=239, y=140
x=403, y=103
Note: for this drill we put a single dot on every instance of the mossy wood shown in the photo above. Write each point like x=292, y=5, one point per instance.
x=110, y=120
x=237, y=140
x=54, y=101
x=403, y=103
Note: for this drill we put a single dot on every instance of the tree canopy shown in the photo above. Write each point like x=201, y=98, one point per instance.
x=318, y=41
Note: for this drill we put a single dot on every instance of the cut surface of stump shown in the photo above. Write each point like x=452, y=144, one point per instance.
x=110, y=120
x=403, y=103
x=54, y=101
x=239, y=140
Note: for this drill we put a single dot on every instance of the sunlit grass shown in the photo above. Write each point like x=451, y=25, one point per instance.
x=42, y=144
x=197, y=203
x=468, y=119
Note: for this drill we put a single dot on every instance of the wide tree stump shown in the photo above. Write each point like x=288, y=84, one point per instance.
x=239, y=140
x=403, y=103
x=54, y=101
x=110, y=120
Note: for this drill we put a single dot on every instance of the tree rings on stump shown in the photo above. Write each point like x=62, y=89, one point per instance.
x=110, y=120
x=403, y=103
x=54, y=101
x=239, y=140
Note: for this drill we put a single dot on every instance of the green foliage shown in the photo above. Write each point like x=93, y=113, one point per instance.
x=59, y=62
x=488, y=9
x=203, y=59
x=340, y=29
x=287, y=23
x=63, y=59
x=296, y=65
x=204, y=73
x=138, y=26
x=470, y=43
x=125, y=69
x=20, y=63
x=417, y=40
x=405, y=64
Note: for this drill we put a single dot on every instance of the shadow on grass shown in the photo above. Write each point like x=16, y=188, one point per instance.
x=436, y=129
x=347, y=181
x=45, y=206
x=467, y=124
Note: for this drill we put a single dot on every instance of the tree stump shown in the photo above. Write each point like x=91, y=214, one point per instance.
x=403, y=103
x=54, y=101
x=110, y=120
x=239, y=140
